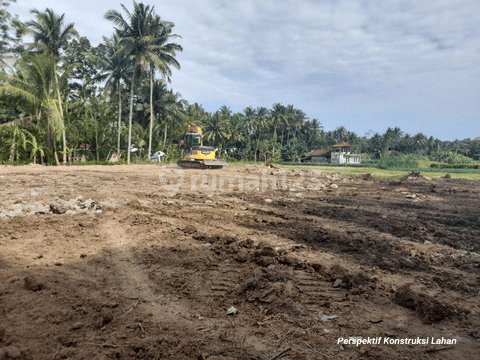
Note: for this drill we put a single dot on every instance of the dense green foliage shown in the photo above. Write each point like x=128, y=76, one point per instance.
x=455, y=166
x=363, y=164
x=63, y=95
x=398, y=162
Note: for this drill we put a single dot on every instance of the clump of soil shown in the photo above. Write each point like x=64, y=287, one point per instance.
x=32, y=283
x=428, y=308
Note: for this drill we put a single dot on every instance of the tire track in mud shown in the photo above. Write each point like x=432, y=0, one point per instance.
x=133, y=279
x=316, y=288
x=222, y=280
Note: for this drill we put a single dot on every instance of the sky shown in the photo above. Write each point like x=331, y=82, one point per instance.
x=366, y=65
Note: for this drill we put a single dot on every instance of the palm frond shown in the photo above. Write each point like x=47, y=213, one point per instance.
x=56, y=119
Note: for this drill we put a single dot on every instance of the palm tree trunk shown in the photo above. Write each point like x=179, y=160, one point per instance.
x=130, y=116
x=96, y=140
x=56, y=156
x=49, y=132
x=61, y=113
x=151, y=116
x=256, y=146
x=165, y=133
x=57, y=163
x=119, y=115
x=64, y=145
x=12, y=152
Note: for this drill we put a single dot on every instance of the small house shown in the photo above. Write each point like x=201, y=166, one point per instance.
x=341, y=155
x=317, y=156
x=338, y=154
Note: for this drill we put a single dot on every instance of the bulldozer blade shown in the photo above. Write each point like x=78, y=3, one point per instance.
x=190, y=164
x=203, y=164
x=215, y=162
x=218, y=162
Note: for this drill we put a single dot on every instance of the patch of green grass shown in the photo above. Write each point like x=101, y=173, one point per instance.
x=382, y=173
x=17, y=162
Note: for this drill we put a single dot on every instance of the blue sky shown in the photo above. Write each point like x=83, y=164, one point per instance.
x=361, y=64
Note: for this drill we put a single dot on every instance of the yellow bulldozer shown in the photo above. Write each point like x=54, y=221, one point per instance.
x=195, y=155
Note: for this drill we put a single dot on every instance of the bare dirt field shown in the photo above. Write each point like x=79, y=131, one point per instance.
x=100, y=262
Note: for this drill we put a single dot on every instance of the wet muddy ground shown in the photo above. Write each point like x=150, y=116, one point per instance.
x=144, y=262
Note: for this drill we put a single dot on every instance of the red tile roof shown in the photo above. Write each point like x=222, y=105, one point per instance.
x=341, y=144
x=320, y=152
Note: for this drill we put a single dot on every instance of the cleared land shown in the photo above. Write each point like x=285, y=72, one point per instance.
x=100, y=262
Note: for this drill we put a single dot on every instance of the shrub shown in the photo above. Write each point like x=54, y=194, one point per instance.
x=438, y=165
x=363, y=164
x=396, y=162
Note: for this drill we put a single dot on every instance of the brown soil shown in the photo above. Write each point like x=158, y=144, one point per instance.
x=142, y=275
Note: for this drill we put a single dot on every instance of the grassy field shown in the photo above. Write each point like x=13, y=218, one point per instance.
x=378, y=172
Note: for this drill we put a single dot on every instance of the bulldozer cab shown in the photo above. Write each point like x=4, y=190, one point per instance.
x=192, y=141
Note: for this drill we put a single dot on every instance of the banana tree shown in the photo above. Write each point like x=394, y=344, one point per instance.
x=35, y=148
x=19, y=136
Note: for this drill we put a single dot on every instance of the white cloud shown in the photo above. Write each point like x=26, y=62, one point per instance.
x=326, y=57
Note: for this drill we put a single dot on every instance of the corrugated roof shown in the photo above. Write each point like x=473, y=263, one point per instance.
x=341, y=144
x=320, y=152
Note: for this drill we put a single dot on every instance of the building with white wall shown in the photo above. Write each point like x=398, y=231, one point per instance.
x=338, y=154
x=341, y=155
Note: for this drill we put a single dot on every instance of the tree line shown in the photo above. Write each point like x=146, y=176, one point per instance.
x=61, y=95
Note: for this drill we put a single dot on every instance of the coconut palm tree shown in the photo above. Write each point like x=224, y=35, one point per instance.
x=419, y=141
x=225, y=111
x=249, y=119
x=286, y=119
x=397, y=136
x=339, y=134
x=406, y=142
x=277, y=118
x=34, y=88
x=116, y=69
x=195, y=113
x=217, y=128
x=298, y=119
x=143, y=39
x=50, y=31
x=166, y=106
x=261, y=123
x=166, y=54
x=309, y=132
x=51, y=34
x=377, y=143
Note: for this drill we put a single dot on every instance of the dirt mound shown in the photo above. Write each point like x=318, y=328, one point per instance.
x=33, y=283
x=413, y=175
x=428, y=308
